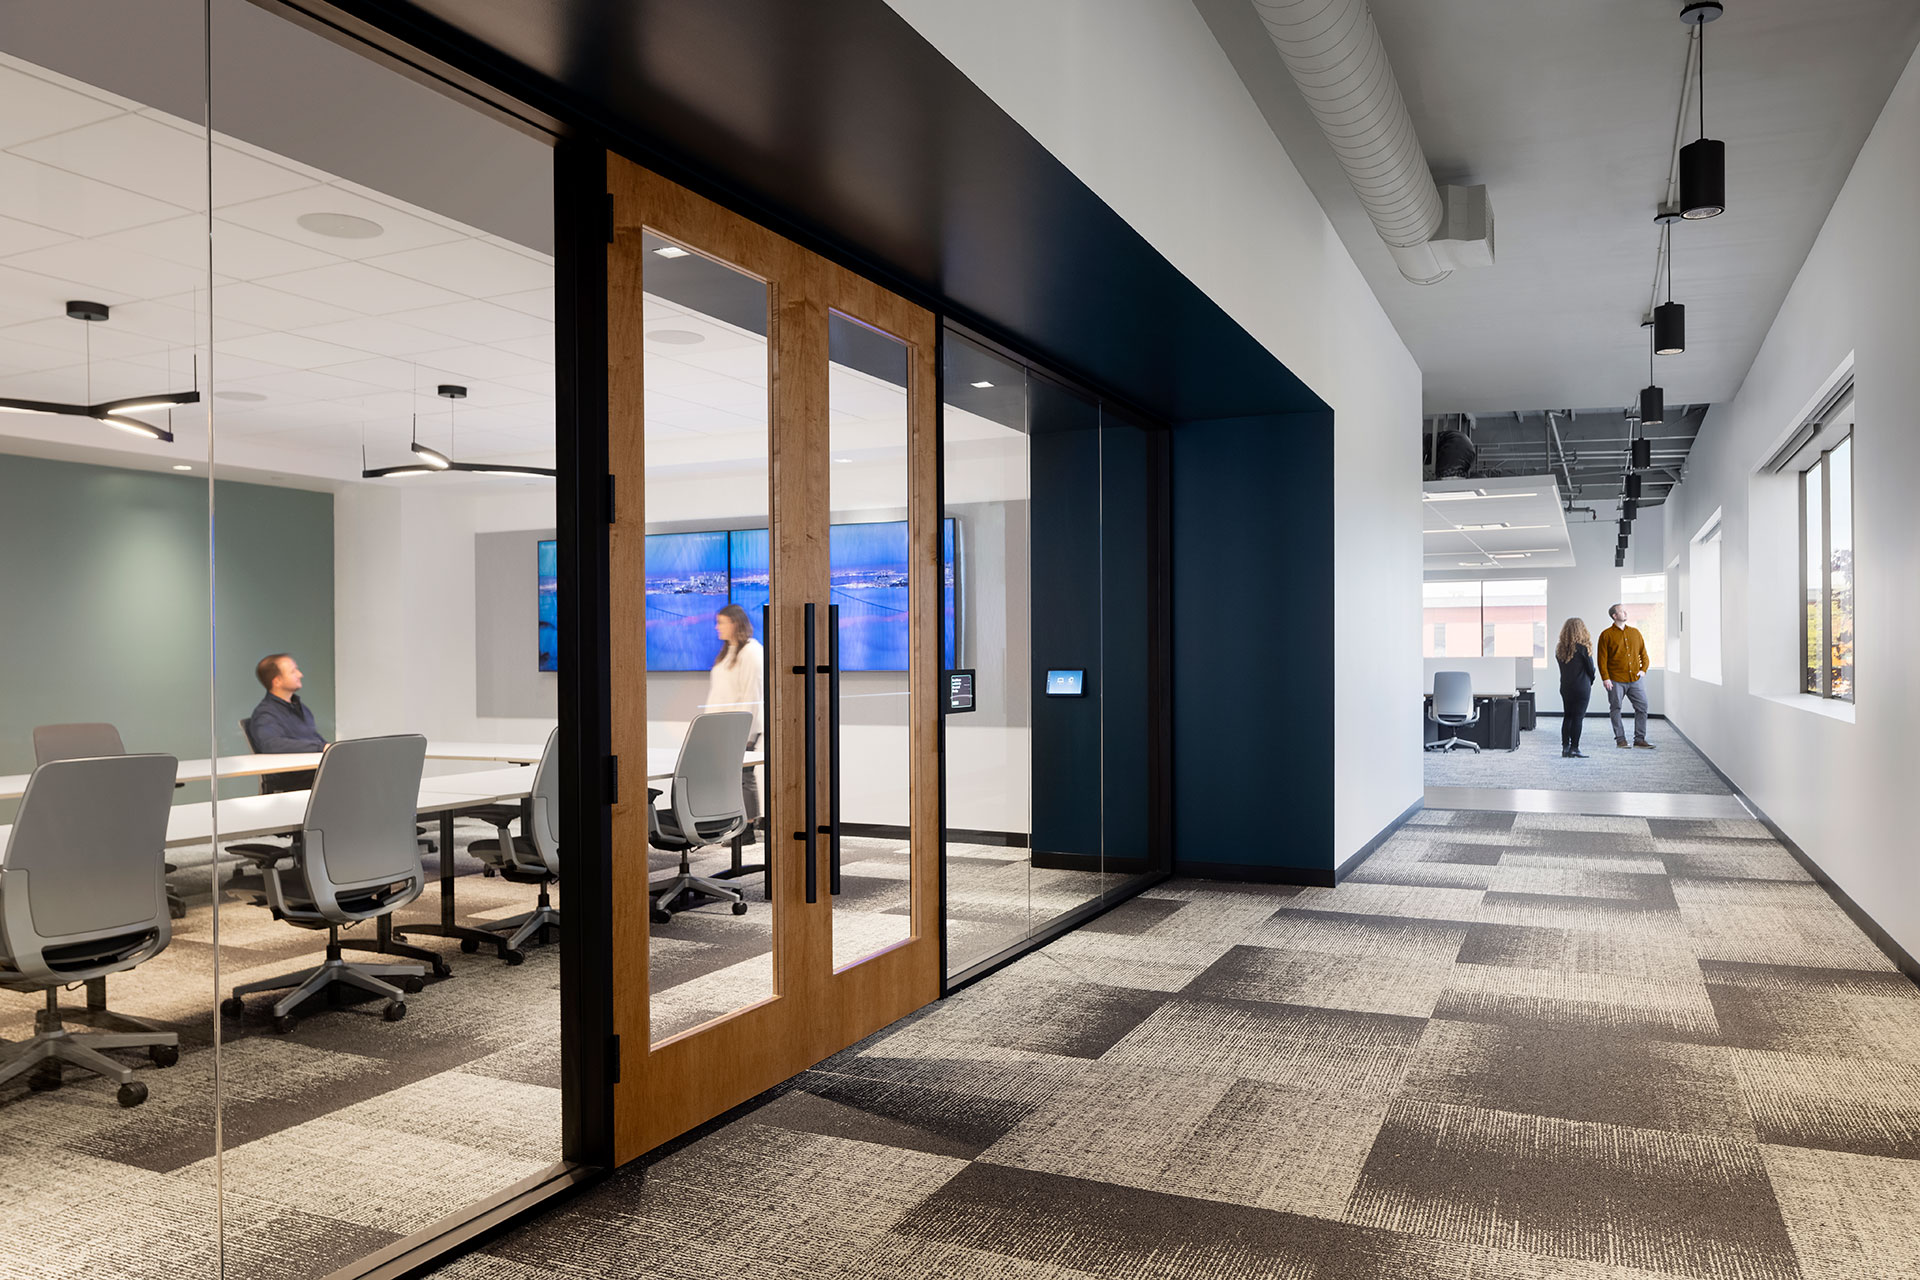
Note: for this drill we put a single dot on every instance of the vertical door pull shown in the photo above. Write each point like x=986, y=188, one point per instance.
x=832, y=829
x=808, y=834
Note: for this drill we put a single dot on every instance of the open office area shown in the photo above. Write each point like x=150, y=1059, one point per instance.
x=743, y=640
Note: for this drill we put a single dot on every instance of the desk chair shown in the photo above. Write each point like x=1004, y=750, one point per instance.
x=82, y=895
x=83, y=742
x=354, y=858
x=1453, y=708
x=706, y=808
x=533, y=858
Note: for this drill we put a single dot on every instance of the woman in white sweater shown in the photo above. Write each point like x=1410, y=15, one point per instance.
x=735, y=685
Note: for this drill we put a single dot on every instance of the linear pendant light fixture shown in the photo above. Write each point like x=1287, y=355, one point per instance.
x=431, y=460
x=114, y=413
x=1703, y=162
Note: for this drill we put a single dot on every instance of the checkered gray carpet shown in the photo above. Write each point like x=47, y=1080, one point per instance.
x=1511, y=1047
x=1538, y=765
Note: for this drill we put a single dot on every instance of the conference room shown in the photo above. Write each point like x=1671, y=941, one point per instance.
x=282, y=898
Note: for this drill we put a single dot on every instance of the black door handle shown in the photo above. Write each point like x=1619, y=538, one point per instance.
x=808, y=834
x=833, y=750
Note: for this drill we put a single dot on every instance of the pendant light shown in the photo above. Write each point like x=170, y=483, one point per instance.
x=1653, y=401
x=1642, y=454
x=433, y=461
x=1670, y=317
x=114, y=413
x=1703, y=162
x=1633, y=485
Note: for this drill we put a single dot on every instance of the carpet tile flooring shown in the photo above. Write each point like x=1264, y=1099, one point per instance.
x=1513, y=1046
x=1673, y=767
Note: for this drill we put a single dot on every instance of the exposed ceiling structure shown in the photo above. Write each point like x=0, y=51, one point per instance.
x=1515, y=522
x=1586, y=451
x=1566, y=112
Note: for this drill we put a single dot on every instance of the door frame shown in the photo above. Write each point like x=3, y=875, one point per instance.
x=662, y=1090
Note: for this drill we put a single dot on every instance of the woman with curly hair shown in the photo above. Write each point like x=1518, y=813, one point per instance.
x=1575, y=654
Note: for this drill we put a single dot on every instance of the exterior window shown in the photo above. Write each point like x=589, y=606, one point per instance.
x=1645, y=598
x=1826, y=573
x=1499, y=618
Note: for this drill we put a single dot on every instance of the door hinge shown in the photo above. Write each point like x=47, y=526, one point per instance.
x=612, y=780
x=613, y=1059
x=610, y=506
x=610, y=217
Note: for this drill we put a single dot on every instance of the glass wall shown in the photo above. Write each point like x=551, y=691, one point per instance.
x=281, y=365
x=1498, y=618
x=1050, y=781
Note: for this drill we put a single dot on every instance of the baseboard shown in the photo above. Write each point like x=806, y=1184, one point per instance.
x=1253, y=873
x=1385, y=833
x=1902, y=959
x=1006, y=839
x=1089, y=862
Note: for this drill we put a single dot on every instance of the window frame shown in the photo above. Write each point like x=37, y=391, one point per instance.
x=1822, y=618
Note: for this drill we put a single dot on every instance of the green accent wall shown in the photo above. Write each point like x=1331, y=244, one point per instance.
x=104, y=611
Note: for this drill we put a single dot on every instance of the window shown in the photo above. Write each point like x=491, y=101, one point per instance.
x=1826, y=573
x=1499, y=618
x=1703, y=594
x=1645, y=598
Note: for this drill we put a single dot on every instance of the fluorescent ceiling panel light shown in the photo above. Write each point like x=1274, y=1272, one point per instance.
x=1464, y=495
x=982, y=384
x=670, y=251
x=181, y=466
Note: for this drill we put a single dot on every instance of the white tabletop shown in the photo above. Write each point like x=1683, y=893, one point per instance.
x=14, y=785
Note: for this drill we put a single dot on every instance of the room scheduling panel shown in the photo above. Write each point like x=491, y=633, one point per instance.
x=1067, y=683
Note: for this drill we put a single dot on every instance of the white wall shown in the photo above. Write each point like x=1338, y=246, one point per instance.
x=1137, y=99
x=404, y=606
x=1585, y=590
x=1839, y=785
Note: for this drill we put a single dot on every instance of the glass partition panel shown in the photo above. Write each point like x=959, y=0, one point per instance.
x=989, y=744
x=1450, y=620
x=869, y=571
x=708, y=585
x=1514, y=619
x=108, y=1038
x=383, y=402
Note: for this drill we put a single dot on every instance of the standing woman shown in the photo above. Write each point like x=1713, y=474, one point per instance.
x=735, y=685
x=1575, y=653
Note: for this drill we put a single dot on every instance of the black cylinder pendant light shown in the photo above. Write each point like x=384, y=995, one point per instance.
x=1643, y=454
x=1653, y=400
x=1633, y=485
x=1703, y=162
x=1670, y=317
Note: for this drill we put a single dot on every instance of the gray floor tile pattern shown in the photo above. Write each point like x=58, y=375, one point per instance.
x=1642, y=1048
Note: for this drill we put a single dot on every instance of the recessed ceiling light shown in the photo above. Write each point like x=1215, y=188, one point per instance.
x=1462, y=495
x=982, y=384
x=340, y=226
x=181, y=466
x=240, y=397
x=676, y=337
x=671, y=251
x=843, y=459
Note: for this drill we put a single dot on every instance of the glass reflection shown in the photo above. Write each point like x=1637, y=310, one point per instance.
x=709, y=583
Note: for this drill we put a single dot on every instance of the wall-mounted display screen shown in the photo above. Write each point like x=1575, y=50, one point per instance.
x=1066, y=684
x=691, y=575
x=547, y=585
x=686, y=586
x=959, y=691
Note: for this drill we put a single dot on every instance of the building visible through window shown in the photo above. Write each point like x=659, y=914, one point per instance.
x=1498, y=618
x=1826, y=572
x=1645, y=598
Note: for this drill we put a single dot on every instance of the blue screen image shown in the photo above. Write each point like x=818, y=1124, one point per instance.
x=686, y=586
x=691, y=575
x=1065, y=684
x=547, y=568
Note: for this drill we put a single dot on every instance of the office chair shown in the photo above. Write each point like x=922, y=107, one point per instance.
x=82, y=895
x=1453, y=708
x=706, y=808
x=300, y=780
x=82, y=742
x=354, y=858
x=533, y=858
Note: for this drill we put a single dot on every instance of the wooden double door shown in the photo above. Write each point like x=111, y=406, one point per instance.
x=773, y=445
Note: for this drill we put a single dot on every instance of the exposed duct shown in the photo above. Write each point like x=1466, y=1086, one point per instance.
x=1333, y=51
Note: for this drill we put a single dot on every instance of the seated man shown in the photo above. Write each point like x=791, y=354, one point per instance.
x=281, y=723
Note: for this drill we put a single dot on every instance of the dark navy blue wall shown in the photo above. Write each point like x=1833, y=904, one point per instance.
x=1252, y=648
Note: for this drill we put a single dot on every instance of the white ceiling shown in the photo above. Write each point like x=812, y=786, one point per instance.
x=1566, y=112
x=320, y=342
x=1512, y=522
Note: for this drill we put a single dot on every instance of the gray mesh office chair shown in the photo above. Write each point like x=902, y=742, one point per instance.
x=705, y=807
x=83, y=742
x=82, y=895
x=354, y=858
x=532, y=858
x=1453, y=708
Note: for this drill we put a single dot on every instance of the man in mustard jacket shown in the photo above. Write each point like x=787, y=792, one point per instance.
x=1621, y=655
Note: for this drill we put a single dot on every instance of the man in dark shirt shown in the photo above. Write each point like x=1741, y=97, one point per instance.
x=281, y=723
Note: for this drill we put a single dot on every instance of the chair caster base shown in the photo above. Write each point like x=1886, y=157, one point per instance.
x=233, y=1006
x=284, y=1023
x=469, y=945
x=45, y=1079
x=132, y=1094
x=395, y=1011
x=739, y=908
x=164, y=1055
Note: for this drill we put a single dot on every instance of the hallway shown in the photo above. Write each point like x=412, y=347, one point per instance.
x=1515, y=1046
